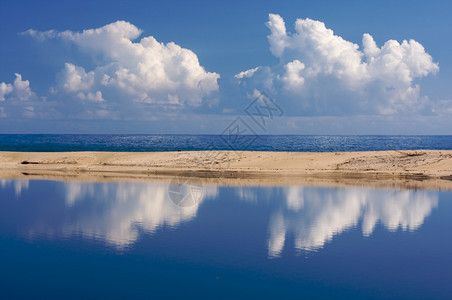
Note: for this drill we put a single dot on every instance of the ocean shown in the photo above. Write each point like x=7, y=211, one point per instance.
x=151, y=143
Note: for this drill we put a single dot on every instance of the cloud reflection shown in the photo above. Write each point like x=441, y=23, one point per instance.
x=19, y=185
x=316, y=215
x=110, y=212
x=116, y=213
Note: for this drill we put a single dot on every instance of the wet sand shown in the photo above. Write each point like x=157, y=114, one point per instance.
x=423, y=169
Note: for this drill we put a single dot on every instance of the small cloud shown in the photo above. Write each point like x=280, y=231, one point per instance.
x=41, y=35
x=2, y=112
x=227, y=110
x=29, y=111
x=94, y=97
x=19, y=90
x=247, y=73
x=443, y=107
x=5, y=89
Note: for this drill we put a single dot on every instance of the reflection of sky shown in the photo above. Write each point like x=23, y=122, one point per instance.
x=18, y=185
x=127, y=206
x=315, y=215
x=116, y=212
x=113, y=212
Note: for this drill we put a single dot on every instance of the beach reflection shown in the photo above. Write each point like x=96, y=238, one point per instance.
x=315, y=215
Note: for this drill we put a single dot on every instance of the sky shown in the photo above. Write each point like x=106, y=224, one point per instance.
x=196, y=67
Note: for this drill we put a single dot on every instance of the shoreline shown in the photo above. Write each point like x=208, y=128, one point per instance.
x=417, y=169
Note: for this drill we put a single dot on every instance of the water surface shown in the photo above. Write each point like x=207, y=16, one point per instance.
x=225, y=141
x=131, y=240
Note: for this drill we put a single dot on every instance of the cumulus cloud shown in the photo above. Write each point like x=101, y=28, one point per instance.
x=75, y=80
x=443, y=107
x=17, y=98
x=327, y=74
x=5, y=89
x=144, y=71
x=19, y=90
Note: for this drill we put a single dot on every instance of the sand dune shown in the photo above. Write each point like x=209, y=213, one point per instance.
x=412, y=169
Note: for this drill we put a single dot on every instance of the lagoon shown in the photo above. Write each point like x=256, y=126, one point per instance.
x=186, y=239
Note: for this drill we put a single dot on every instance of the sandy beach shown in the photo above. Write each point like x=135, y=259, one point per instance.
x=425, y=169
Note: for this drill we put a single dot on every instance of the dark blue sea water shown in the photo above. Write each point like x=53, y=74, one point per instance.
x=293, y=143
x=80, y=240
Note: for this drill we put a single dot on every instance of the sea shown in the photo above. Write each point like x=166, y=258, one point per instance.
x=176, y=142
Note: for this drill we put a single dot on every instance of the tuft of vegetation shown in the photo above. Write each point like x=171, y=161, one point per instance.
x=406, y=154
x=25, y=162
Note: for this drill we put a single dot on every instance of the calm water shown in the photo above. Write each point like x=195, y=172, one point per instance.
x=297, y=143
x=63, y=240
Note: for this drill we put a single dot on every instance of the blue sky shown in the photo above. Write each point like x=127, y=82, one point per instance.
x=181, y=67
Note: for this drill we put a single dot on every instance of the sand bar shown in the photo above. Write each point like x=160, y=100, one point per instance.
x=424, y=169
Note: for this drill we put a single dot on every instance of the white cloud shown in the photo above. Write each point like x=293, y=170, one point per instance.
x=19, y=90
x=293, y=78
x=328, y=74
x=17, y=98
x=5, y=89
x=146, y=71
x=41, y=35
x=75, y=78
x=279, y=36
x=443, y=107
x=247, y=73
x=95, y=97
